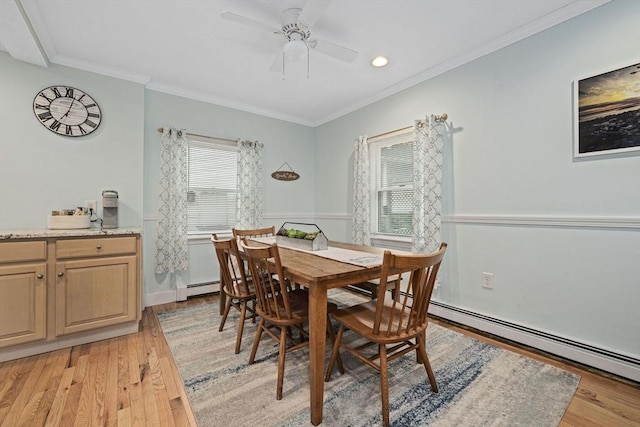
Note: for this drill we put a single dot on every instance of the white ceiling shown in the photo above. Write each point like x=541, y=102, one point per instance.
x=185, y=48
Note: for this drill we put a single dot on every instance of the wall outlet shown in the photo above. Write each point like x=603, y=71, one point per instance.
x=487, y=280
x=92, y=205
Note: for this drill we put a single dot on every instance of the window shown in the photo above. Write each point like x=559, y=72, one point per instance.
x=213, y=189
x=392, y=184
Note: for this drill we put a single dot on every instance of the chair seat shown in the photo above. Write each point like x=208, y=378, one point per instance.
x=240, y=293
x=361, y=318
x=299, y=303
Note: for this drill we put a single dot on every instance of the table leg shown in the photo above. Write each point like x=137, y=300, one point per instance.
x=317, y=343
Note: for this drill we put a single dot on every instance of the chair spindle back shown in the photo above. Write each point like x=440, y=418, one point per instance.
x=232, y=269
x=256, y=232
x=407, y=313
x=266, y=268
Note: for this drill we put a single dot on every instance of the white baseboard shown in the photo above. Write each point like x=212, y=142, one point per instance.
x=605, y=360
x=180, y=294
x=159, y=298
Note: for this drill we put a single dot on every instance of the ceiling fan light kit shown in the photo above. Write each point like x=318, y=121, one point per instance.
x=296, y=50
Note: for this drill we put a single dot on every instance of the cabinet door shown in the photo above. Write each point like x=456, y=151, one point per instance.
x=23, y=296
x=93, y=293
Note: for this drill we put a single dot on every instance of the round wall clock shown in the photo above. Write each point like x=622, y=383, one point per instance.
x=67, y=111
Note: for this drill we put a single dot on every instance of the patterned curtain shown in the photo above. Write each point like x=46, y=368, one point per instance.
x=250, y=186
x=427, y=184
x=171, y=245
x=361, y=183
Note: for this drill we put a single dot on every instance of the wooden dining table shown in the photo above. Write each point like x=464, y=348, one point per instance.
x=318, y=275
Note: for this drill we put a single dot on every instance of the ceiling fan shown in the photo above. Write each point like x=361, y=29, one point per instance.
x=296, y=33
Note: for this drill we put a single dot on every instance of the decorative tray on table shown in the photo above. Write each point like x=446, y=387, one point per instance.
x=301, y=236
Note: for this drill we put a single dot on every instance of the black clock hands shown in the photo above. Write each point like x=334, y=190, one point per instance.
x=70, y=106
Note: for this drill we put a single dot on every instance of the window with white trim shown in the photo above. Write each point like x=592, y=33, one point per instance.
x=391, y=162
x=213, y=188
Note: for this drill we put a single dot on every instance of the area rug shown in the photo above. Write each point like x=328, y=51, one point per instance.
x=479, y=384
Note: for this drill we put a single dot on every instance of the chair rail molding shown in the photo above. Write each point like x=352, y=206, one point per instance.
x=562, y=221
x=308, y=216
x=559, y=221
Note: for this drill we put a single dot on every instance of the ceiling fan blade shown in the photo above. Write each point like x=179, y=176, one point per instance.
x=339, y=52
x=277, y=65
x=230, y=16
x=312, y=11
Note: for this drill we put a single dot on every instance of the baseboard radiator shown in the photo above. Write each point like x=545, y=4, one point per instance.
x=203, y=288
x=605, y=360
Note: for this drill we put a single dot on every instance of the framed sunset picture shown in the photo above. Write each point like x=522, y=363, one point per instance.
x=607, y=112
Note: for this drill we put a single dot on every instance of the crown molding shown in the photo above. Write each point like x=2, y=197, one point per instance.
x=101, y=69
x=185, y=93
x=554, y=18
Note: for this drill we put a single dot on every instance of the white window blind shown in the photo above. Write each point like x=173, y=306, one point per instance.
x=213, y=189
x=392, y=184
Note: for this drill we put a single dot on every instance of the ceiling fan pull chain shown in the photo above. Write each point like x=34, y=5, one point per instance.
x=308, y=55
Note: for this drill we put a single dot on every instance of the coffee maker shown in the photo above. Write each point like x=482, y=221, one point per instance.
x=109, y=209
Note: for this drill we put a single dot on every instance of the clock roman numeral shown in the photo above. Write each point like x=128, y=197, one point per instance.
x=90, y=105
x=68, y=130
x=82, y=131
x=42, y=107
x=46, y=97
x=56, y=92
x=95, y=115
x=45, y=116
x=69, y=93
x=90, y=123
x=55, y=125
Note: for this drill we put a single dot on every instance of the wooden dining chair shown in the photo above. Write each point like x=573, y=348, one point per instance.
x=399, y=320
x=256, y=232
x=280, y=311
x=235, y=283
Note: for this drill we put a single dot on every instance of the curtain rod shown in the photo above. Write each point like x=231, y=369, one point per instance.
x=161, y=130
x=440, y=118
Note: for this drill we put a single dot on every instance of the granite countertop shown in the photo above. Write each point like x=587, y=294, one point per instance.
x=82, y=232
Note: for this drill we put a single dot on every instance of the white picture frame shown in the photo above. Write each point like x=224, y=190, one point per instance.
x=607, y=112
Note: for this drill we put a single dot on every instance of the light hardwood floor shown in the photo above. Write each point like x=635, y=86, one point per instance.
x=133, y=381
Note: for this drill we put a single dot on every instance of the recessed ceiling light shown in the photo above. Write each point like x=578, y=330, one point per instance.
x=379, y=61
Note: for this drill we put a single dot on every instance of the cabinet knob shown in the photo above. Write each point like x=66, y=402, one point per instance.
x=40, y=276
x=99, y=247
x=60, y=274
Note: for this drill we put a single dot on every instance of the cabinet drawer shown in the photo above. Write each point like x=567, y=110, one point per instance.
x=23, y=251
x=78, y=248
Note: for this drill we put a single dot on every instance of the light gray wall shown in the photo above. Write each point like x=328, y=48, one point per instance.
x=283, y=141
x=510, y=154
x=41, y=171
